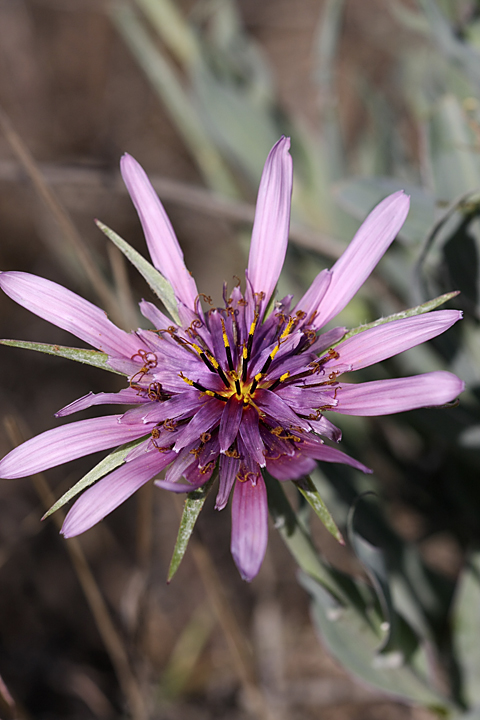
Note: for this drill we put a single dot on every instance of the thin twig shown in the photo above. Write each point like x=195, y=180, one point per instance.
x=61, y=216
x=106, y=628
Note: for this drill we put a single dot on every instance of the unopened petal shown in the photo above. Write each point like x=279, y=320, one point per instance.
x=384, y=397
x=62, y=444
x=70, y=312
x=272, y=221
x=249, y=527
x=367, y=247
x=162, y=243
x=110, y=492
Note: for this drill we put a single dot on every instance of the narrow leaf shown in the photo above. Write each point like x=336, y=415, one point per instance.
x=193, y=504
x=411, y=312
x=309, y=491
x=300, y=544
x=87, y=357
x=466, y=628
x=112, y=461
x=160, y=286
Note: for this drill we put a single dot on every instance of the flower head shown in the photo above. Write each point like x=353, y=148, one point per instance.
x=239, y=387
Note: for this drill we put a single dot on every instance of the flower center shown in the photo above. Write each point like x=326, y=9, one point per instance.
x=236, y=379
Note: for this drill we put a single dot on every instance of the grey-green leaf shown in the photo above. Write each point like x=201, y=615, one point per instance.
x=466, y=629
x=87, y=357
x=193, y=504
x=160, y=286
x=353, y=642
x=112, y=461
x=309, y=491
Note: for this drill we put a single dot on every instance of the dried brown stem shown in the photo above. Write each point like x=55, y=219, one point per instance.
x=180, y=193
x=27, y=162
x=106, y=628
x=240, y=652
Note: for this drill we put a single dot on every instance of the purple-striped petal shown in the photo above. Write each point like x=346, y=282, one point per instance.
x=278, y=409
x=250, y=434
x=249, y=527
x=110, y=492
x=230, y=422
x=228, y=468
x=163, y=246
x=384, y=397
x=326, y=428
x=324, y=453
x=384, y=341
x=203, y=421
x=62, y=444
x=70, y=312
x=291, y=468
x=367, y=247
x=272, y=221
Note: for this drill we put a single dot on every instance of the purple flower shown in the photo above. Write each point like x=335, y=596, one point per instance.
x=236, y=387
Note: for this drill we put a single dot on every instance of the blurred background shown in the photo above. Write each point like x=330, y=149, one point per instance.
x=377, y=96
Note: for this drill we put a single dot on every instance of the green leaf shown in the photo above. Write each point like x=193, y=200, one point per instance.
x=309, y=491
x=411, y=312
x=160, y=286
x=87, y=357
x=193, y=504
x=112, y=461
x=353, y=642
x=466, y=629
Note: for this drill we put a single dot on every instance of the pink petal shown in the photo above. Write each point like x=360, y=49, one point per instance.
x=272, y=221
x=156, y=317
x=70, y=312
x=291, y=468
x=384, y=397
x=62, y=444
x=249, y=527
x=204, y=420
x=384, y=341
x=313, y=297
x=126, y=396
x=278, y=409
x=110, y=492
x=367, y=247
x=324, y=453
x=163, y=246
